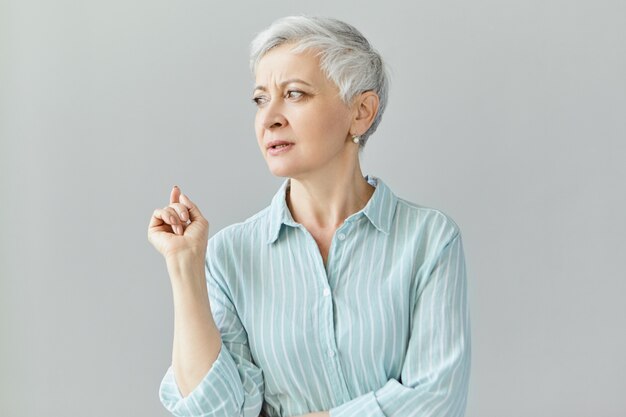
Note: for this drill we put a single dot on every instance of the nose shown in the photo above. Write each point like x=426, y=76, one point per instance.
x=272, y=116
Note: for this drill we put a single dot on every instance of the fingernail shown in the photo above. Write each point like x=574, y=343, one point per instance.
x=172, y=220
x=176, y=186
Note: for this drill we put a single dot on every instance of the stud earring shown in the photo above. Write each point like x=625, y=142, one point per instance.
x=356, y=139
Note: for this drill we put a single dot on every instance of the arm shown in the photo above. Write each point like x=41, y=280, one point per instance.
x=434, y=378
x=179, y=232
x=205, y=379
x=197, y=340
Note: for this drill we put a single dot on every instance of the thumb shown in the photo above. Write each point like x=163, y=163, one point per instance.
x=194, y=211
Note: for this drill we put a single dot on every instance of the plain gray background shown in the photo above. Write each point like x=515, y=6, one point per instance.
x=510, y=116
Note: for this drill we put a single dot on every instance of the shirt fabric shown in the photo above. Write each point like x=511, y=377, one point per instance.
x=382, y=330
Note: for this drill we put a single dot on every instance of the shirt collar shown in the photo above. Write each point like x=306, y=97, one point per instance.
x=379, y=210
x=382, y=205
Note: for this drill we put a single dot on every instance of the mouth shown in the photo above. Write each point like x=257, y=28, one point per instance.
x=278, y=146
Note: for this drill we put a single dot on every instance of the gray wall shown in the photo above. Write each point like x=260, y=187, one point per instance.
x=509, y=116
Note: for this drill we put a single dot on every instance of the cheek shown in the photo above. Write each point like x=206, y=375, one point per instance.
x=327, y=123
x=258, y=130
x=336, y=123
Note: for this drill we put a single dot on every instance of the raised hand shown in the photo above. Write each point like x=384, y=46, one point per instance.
x=179, y=229
x=180, y=233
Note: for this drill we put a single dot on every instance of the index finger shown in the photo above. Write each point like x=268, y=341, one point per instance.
x=175, y=195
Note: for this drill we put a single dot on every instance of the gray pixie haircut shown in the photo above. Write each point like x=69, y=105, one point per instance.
x=346, y=57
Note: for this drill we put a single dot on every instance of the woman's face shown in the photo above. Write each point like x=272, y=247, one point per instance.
x=302, y=125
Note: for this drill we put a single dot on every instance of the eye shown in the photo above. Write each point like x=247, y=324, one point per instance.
x=259, y=100
x=294, y=94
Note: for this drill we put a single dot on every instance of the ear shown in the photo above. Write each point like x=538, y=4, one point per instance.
x=365, y=111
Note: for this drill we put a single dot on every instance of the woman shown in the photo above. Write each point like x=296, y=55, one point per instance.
x=339, y=298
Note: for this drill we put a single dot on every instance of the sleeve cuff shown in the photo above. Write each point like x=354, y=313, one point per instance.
x=364, y=406
x=213, y=394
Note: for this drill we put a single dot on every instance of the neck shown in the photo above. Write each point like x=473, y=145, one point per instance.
x=325, y=200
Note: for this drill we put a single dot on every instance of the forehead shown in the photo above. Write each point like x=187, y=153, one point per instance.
x=281, y=63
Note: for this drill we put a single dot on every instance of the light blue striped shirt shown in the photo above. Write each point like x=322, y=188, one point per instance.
x=382, y=330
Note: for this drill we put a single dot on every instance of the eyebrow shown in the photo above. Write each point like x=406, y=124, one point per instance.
x=289, y=81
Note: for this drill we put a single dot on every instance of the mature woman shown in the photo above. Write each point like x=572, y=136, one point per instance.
x=339, y=298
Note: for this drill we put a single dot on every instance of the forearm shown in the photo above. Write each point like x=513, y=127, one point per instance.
x=197, y=339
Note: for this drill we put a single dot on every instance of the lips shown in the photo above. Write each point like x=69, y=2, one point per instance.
x=278, y=144
x=277, y=147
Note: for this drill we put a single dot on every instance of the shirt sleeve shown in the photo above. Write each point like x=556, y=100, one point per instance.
x=234, y=385
x=435, y=374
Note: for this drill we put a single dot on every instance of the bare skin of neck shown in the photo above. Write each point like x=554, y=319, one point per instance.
x=322, y=202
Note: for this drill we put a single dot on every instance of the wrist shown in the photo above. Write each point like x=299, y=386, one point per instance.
x=186, y=268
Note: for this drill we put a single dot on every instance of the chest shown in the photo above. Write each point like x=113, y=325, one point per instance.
x=323, y=240
x=302, y=317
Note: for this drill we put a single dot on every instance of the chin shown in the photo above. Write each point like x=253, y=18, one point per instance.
x=283, y=170
x=280, y=172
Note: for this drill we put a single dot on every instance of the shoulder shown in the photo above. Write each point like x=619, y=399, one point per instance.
x=428, y=230
x=407, y=218
x=426, y=217
x=425, y=229
x=252, y=230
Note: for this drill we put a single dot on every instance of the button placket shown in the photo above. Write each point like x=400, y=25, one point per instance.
x=326, y=322
x=333, y=269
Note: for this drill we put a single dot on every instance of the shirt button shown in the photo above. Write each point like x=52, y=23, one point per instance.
x=341, y=236
x=331, y=353
x=326, y=292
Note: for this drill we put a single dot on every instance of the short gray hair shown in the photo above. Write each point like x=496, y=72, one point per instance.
x=346, y=57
